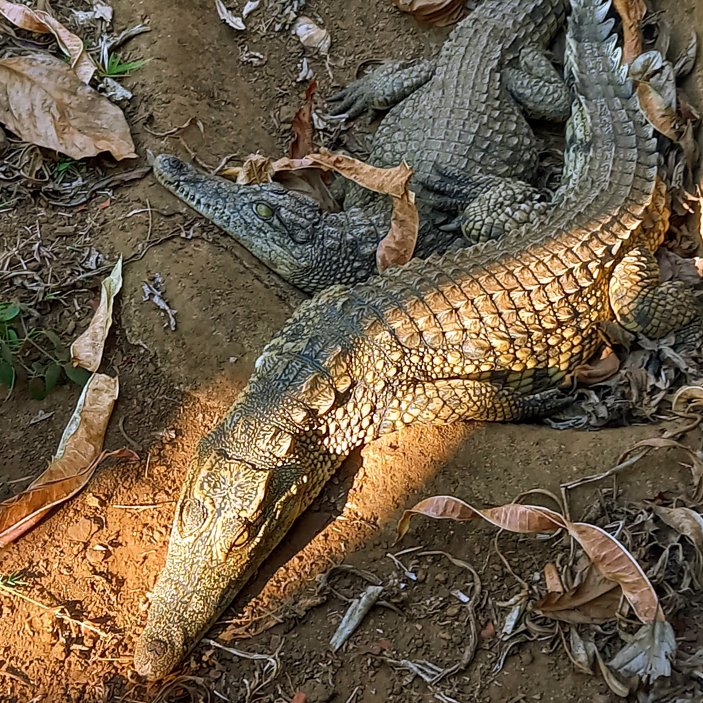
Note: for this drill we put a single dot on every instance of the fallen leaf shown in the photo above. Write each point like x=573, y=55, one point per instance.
x=594, y=600
x=618, y=687
x=302, y=127
x=685, y=521
x=78, y=454
x=683, y=65
x=43, y=23
x=299, y=697
x=601, y=370
x=610, y=557
x=648, y=656
x=397, y=247
x=440, y=13
x=45, y=103
x=87, y=349
x=311, y=36
x=552, y=579
x=656, y=92
x=229, y=18
x=631, y=13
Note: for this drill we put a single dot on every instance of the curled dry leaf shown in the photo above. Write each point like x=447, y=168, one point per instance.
x=45, y=103
x=610, y=557
x=440, y=13
x=603, y=369
x=594, y=600
x=311, y=36
x=78, y=455
x=43, y=23
x=685, y=521
x=648, y=655
x=302, y=127
x=229, y=18
x=397, y=247
x=656, y=91
x=631, y=13
x=87, y=349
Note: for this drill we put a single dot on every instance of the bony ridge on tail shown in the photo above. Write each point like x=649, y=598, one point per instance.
x=486, y=334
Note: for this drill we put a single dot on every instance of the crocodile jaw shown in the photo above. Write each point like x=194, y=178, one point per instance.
x=274, y=224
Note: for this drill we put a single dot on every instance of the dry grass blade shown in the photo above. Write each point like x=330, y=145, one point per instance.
x=87, y=349
x=42, y=22
x=610, y=557
x=45, y=103
x=440, y=13
x=78, y=455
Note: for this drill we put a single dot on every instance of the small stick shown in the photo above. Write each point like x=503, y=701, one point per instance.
x=356, y=612
x=54, y=611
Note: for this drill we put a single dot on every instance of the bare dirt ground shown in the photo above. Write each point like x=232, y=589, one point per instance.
x=98, y=556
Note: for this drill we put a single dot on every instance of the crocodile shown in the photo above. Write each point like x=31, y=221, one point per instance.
x=484, y=333
x=463, y=111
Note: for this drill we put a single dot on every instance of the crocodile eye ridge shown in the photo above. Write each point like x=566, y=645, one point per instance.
x=193, y=516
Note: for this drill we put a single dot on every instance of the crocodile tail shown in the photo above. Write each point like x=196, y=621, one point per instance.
x=607, y=133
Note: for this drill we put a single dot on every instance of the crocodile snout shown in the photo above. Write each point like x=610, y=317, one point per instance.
x=158, y=651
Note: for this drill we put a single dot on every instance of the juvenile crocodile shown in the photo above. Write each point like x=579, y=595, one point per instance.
x=462, y=110
x=486, y=334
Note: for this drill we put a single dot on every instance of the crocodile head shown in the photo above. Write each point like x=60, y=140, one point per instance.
x=287, y=231
x=243, y=491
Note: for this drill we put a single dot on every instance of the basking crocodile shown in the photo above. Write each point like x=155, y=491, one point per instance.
x=462, y=111
x=486, y=333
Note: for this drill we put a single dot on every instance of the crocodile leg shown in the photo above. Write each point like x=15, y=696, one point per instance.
x=643, y=304
x=383, y=88
x=492, y=206
x=537, y=86
x=455, y=399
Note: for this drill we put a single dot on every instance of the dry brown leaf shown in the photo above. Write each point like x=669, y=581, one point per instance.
x=44, y=102
x=594, y=600
x=78, y=454
x=552, y=579
x=302, y=127
x=87, y=349
x=685, y=521
x=631, y=13
x=397, y=247
x=603, y=369
x=43, y=23
x=440, y=13
x=610, y=557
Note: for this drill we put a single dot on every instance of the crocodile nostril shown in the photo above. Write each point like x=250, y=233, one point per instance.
x=157, y=647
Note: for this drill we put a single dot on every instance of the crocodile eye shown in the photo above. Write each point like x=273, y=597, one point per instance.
x=264, y=211
x=193, y=516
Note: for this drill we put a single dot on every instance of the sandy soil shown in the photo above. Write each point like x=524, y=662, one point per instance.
x=98, y=556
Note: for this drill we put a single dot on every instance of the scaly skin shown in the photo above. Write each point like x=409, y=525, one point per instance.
x=487, y=334
x=461, y=111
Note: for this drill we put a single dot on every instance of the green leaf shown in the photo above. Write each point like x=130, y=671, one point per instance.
x=9, y=311
x=54, y=339
x=7, y=374
x=52, y=376
x=78, y=375
x=6, y=352
x=37, y=390
x=12, y=336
